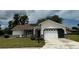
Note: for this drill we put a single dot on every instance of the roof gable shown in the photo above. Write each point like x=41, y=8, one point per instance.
x=53, y=23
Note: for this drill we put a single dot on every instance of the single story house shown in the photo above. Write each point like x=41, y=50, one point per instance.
x=25, y=30
x=49, y=29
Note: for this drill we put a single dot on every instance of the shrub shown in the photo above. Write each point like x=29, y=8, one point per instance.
x=1, y=32
x=6, y=36
x=40, y=39
x=32, y=38
x=7, y=31
x=74, y=33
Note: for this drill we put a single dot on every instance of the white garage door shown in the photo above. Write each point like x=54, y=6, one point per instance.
x=50, y=34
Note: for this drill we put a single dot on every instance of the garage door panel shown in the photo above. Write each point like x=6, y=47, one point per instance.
x=50, y=35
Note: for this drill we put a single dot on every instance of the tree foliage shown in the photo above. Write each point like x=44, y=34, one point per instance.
x=1, y=31
x=74, y=28
x=55, y=18
x=7, y=31
x=23, y=19
x=78, y=25
x=10, y=24
x=17, y=19
x=40, y=20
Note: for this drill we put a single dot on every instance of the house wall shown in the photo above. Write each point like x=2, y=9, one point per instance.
x=18, y=33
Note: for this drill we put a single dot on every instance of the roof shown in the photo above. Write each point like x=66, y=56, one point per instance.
x=53, y=22
x=23, y=27
x=37, y=27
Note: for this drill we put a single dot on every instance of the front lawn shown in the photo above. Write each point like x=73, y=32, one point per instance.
x=20, y=43
x=73, y=37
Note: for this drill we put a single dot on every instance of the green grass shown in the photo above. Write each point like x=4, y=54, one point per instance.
x=20, y=43
x=73, y=37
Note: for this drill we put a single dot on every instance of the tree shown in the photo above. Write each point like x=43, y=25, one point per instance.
x=55, y=18
x=40, y=20
x=78, y=25
x=7, y=31
x=17, y=19
x=74, y=28
x=1, y=31
x=10, y=24
x=23, y=19
x=14, y=22
x=0, y=26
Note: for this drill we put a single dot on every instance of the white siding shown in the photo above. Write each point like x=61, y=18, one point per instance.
x=18, y=32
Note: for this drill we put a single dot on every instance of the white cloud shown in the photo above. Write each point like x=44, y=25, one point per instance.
x=69, y=14
x=37, y=14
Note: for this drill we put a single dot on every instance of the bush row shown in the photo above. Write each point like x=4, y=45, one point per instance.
x=34, y=38
x=74, y=33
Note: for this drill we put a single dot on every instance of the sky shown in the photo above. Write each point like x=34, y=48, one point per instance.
x=71, y=17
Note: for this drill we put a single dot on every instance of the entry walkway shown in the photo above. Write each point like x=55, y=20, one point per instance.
x=62, y=44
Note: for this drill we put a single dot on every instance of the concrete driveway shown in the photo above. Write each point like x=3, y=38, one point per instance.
x=62, y=44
